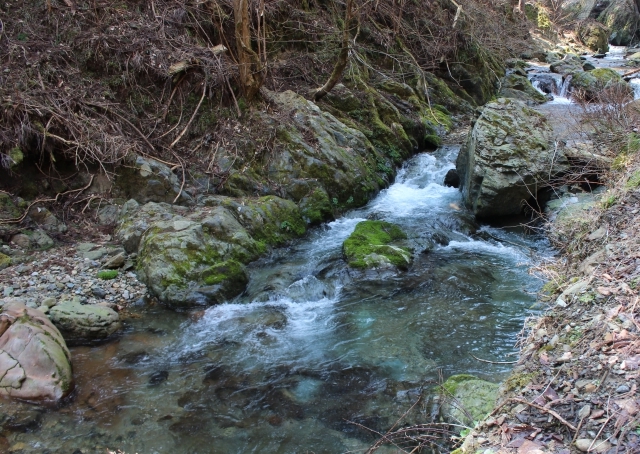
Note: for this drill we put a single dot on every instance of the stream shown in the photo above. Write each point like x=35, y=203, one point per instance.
x=313, y=354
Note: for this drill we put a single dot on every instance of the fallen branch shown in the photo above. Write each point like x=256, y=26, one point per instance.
x=546, y=410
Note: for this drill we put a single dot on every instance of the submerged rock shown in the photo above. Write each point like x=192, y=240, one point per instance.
x=467, y=399
x=34, y=359
x=191, y=257
x=508, y=157
x=81, y=323
x=377, y=244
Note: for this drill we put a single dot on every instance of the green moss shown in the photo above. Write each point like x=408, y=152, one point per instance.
x=316, y=207
x=5, y=261
x=518, y=380
x=221, y=272
x=452, y=383
x=16, y=156
x=371, y=244
x=107, y=274
x=634, y=180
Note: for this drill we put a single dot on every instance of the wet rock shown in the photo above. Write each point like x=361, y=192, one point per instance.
x=158, y=377
x=377, y=244
x=80, y=323
x=34, y=359
x=19, y=417
x=507, y=158
x=467, y=395
x=452, y=179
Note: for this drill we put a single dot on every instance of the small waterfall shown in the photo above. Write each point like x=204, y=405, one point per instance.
x=635, y=84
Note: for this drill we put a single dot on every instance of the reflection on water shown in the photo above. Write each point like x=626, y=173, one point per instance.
x=311, y=347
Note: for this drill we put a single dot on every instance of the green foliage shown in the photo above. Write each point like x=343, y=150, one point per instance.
x=608, y=201
x=107, y=274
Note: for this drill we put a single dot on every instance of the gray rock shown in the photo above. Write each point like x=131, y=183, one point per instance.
x=623, y=389
x=116, y=261
x=98, y=292
x=108, y=215
x=80, y=323
x=570, y=64
x=148, y=180
x=621, y=20
x=507, y=158
x=590, y=84
x=594, y=35
x=518, y=87
x=34, y=359
x=95, y=254
x=41, y=239
x=46, y=220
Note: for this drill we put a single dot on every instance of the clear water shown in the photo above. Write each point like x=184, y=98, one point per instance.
x=311, y=347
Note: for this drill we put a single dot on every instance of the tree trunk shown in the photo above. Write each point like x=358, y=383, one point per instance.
x=343, y=57
x=251, y=74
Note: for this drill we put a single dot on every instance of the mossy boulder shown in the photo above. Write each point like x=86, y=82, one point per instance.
x=191, y=257
x=467, y=399
x=507, y=158
x=5, y=261
x=519, y=87
x=589, y=84
x=377, y=244
x=84, y=323
x=594, y=36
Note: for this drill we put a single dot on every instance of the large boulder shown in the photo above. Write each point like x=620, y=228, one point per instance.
x=590, y=84
x=620, y=18
x=377, y=244
x=594, y=36
x=190, y=257
x=508, y=156
x=467, y=399
x=34, y=359
x=519, y=87
x=84, y=323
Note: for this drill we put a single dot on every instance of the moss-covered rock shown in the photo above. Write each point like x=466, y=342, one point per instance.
x=589, y=84
x=377, y=244
x=5, y=261
x=507, y=158
x=594, y=35
x=467, y=399
x=570, y=64
x=190, y=257
x=519, y=87
x=84, y=323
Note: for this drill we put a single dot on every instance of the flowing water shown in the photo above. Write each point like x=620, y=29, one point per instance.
x=311, y=347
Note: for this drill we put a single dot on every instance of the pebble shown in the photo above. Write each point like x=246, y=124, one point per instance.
x=623, y=389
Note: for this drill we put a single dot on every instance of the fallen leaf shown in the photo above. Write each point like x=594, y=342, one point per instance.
x=530, y=447
x=595, y=414
x=612, y=360
x=604, y=291
x=628, y=405
x=544, y=359
x=551, y=394
x=607, y=277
